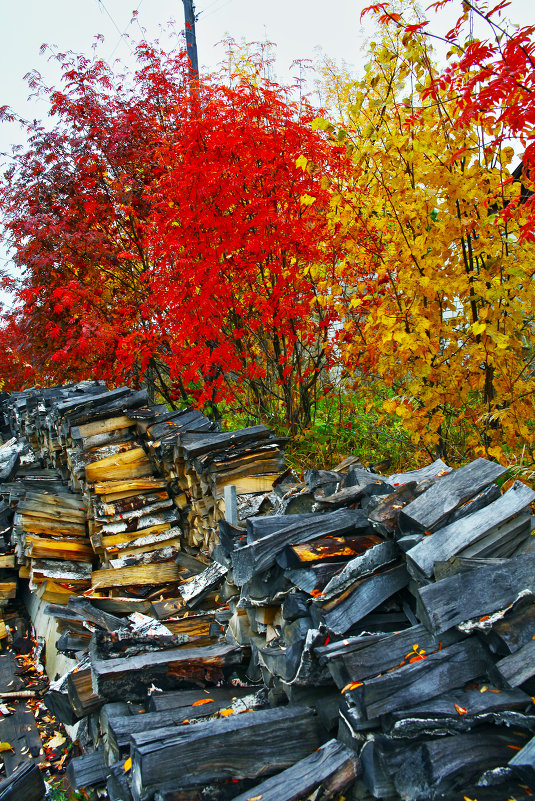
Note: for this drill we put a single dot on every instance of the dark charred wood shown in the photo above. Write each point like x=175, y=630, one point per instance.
x=515, y=629
x=259, y=527
x=378, y=556
x=432, y=508
x=519, y=667
x=241, y=746
x=460, y=710
x=194, y=446
x=125, y=643
x=425, y=769
x=410, y=684
x=295, y=606
x=333, y=766
x=315, y=577
x=185, y=698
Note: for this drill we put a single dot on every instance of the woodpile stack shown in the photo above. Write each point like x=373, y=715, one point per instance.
x=370, y=636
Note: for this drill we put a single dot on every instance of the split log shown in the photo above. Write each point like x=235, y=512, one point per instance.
x=333, y=767
x=460, y=535
x=240, y=746
x=360, y=658
x=199, y=587
x=461, y=710
x=477, y=592
x=262, y=553
x=132, y=676
x=517, y=668
x=429, y=510
x=87, y=770
x=139, y=575
x=327, y=548
x=25, y=782
x=435, y=674
x=361, y=598
x=80, y=692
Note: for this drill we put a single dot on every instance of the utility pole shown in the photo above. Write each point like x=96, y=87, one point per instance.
x=191, y=40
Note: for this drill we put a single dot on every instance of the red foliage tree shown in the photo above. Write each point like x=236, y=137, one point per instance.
x=175, y=238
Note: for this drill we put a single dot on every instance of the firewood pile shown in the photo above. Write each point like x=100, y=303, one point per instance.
x=352, y=634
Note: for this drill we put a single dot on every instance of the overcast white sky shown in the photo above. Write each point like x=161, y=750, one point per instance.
x=297, y=27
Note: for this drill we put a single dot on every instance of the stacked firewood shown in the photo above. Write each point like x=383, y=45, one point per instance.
x=373, y=632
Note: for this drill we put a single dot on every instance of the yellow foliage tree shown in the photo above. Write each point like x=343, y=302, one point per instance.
x=435, y=287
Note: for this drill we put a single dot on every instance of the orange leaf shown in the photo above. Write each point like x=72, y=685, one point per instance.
x=203, y=701
x=226, y=712
x=460, y=709
x=352, y=686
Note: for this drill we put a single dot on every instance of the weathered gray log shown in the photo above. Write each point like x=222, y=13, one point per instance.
x=314, y=577
x=477, y=592
x=262, y=553
x=359, y=600
x=460, y=535
x=430, y=509
x=425, y=769
x=440, y=671
x=360, y=658
x=132, y=676
x=524, y=762
x=87, y=770
x=433, y=470
x=333, y=766
x=515, y=629
x=379, y=556
x=461, y=710
x=240, y=746
x=185, y=698
x=520, y=666
x=194, y=447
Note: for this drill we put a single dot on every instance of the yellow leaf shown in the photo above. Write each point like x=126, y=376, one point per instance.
x=56, y=741
x=226, y=712
x=478, y=328
x=302, y=162
x=307, y=200
x=128, y=765
x=5, y=747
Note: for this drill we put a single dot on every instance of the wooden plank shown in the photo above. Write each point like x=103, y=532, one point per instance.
x=333, y=766
x=431, y=508
x=138, y=575
x=460, y=535
x=132, y=464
